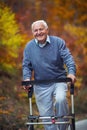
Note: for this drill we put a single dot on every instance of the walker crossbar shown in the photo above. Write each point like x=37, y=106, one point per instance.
x=53, y=120
x=32, y=117
x=48, y=123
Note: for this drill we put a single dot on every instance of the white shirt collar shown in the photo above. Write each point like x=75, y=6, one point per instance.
x=42, y=45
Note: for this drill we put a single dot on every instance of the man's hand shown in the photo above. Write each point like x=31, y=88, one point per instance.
x=27, y=88
x=73, y=77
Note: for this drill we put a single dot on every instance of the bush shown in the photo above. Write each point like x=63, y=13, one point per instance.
x=81, y=101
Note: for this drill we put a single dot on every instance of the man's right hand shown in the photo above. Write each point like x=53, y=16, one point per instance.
x=27, y=88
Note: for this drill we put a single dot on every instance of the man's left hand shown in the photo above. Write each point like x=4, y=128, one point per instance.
x=73, y=77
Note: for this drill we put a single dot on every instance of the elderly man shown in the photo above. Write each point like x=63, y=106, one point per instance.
x=47, y=56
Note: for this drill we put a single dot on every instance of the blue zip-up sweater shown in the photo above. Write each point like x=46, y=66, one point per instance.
x=48, y=62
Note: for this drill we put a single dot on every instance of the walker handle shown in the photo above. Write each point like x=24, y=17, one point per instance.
x=33, y=82
x=30, y=92
x=26, y=83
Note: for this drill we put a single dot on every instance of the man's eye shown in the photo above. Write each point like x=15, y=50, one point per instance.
x=35, y=30
x=41, y=29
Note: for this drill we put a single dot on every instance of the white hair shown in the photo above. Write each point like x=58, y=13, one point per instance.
x=39, y=21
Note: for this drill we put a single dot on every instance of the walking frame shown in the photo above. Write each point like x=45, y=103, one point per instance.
x=37, y=120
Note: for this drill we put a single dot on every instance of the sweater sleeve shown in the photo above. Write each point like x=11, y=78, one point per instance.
x=67, y=58
x=26, y=65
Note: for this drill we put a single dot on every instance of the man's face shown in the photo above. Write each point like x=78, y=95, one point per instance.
x=40, y=32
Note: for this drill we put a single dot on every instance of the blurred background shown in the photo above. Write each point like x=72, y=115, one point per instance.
x=66, y=19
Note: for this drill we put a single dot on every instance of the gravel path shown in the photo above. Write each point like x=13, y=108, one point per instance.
x=81, y=125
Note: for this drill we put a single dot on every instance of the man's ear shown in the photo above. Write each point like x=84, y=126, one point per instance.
x=47, y=30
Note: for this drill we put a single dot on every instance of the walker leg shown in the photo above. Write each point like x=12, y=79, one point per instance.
x=73, y=123
x=30, y=127
x=30, y=93
x=72, y=126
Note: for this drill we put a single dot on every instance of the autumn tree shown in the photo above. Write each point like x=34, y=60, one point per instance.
x=10, y=40
x=78, y=46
